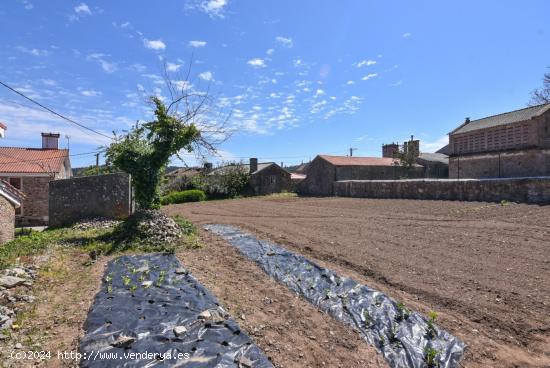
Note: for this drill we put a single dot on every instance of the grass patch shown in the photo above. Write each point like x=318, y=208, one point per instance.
x=126, y=236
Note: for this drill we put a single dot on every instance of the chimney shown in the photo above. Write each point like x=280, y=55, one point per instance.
x=3, y=129
x=389, y=150
x=253, y=165
x=466, y=121
x=50, y=140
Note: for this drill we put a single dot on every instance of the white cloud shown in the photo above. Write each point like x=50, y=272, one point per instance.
x=197, y=43
x=172, y=67
x=154, y=44
x=298, y=62
x=369, y=76
x=256, y=63
x=284, y=41
x=48, y=82
x=108, y=67
x=82, y=9
x=90, y=93
x=270, y=52
x=319, y=92
x=27, y=5
x=435, y=145
x=33, y=51
x=182, y=84
x=407, y=35
x=213, y=8
x=365, y=63
x=350, y=82
x=207, y=76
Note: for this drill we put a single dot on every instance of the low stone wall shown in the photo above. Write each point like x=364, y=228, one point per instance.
x=74, y=199
x=7, y=220
x=525, y=190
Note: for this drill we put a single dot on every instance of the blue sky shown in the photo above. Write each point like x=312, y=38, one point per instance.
x=300, y=77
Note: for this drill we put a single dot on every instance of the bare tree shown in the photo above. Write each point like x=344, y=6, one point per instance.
x=541, y=95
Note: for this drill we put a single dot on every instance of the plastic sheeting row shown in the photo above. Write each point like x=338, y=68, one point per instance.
x=405, y=338
x=150, y=312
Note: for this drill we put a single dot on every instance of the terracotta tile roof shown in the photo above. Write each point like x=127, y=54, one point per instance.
x=503, y=119
x=359, y=161
x=31, y=160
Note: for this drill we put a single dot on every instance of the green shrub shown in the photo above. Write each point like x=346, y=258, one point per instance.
x=192, y=195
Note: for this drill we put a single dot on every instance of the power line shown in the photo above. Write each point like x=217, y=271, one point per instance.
x=53, y=112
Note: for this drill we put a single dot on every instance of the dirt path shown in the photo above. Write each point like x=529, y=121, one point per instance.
x=485, y=268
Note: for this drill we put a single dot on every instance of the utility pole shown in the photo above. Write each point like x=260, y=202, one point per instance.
x=97, y=163
x=351, y=149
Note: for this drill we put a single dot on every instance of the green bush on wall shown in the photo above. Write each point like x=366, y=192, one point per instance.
x=192, y=195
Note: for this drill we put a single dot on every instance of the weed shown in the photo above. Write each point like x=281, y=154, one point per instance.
x=367, y=318
x=109, y=288
x=430, y=357
x=133, y=288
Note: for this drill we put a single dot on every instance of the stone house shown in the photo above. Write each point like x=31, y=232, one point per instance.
x=265, y=177
x=436, y=165
x=10, y=200
x=324, y=170
x=30, y=170
x=512, y=144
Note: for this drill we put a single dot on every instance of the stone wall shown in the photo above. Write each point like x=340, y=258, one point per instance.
x=90, y=196
x=34, y=207
x=526, y=190
x=7, y=220
x=272, y=179
x=522, y=163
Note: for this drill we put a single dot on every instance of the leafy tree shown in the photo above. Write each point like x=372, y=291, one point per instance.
x=146, y=150
x=542, y=95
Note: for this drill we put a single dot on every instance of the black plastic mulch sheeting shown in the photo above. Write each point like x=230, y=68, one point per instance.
x=149, y=315
x=401, y=336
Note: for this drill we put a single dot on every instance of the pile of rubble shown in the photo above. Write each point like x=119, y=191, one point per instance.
x=95, y=223
x=13, y=284
x=155, y=226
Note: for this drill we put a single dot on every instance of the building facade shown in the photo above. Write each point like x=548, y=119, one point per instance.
x=325, y=170
x=30, y=170
x=513, y=144
x=10, y=200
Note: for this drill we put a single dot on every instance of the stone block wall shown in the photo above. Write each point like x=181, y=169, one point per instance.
x=7, y=220
x=525, y=190
x=523, y=163
x=74, y=199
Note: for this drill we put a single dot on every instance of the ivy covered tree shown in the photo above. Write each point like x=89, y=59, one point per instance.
x=145, y=151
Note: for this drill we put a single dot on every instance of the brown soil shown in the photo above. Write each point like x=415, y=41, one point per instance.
x=485, y=268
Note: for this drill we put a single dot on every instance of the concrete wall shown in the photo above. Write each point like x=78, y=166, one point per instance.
x=89, y=196
x=533, y=162
x=526, y=190
x=272, y=179
x=7, y=220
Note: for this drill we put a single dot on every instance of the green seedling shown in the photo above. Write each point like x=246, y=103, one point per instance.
x=431, y=332
x=382, y=341
x=367, y=318
x=133, y=288
x=126, y=280
x=108, y=278
x=402, y=312
x=109, y=288
x=430, y=357
x=392, y=337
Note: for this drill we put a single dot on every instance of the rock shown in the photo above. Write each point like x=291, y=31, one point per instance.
x=143, y=269
x=147, y=284
x=95, y=223
x=181, y=271
x=205, y=315
x=11, y=281
x=244, y=362
x=123, y=342
x=19, y=346
x=180, y=330
x=3, y=337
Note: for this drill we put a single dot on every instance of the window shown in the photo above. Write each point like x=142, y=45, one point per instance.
x=16, y=182
x=272, y=179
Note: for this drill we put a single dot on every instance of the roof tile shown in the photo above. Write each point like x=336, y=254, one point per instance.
x=32, y=160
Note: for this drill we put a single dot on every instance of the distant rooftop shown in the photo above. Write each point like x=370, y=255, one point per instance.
x=244, y=167
x=502, y=119
x=32, y=160
x=359, y=161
